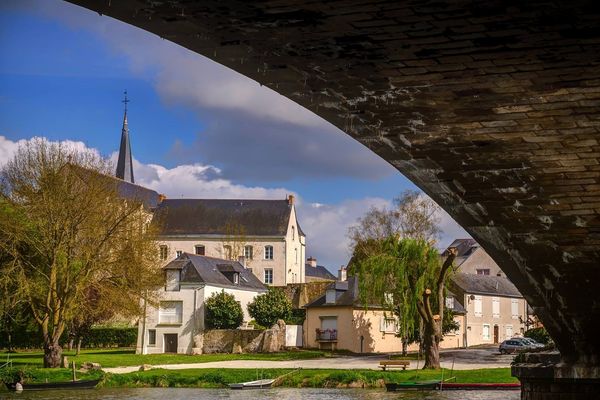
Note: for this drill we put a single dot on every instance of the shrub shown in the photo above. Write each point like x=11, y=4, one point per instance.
x=267, y=308
x=539, y=335
x=297, y=317
x=223, y=311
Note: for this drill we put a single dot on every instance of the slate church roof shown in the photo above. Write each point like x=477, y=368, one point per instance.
x=214, y=216
x=214, y=271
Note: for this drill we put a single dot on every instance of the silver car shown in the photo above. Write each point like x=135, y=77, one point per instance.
x=529, y=342
x=513, y=346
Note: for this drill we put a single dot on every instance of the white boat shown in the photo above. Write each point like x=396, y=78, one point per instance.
x=259, y=384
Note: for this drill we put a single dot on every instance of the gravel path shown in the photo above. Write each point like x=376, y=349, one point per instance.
x=463, y=359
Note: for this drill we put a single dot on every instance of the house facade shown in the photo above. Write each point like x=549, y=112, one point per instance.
x=173, y=325
x=495, y=310
x=337, y=320
x=471, y=258
x=265, y=233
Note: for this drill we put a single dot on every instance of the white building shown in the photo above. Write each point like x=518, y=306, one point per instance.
x=473, y=259
x=265, y=232
x=189, y=281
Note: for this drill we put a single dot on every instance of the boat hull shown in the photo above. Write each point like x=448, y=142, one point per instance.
x=480, y=386
x=90, y=384
x=260, y=384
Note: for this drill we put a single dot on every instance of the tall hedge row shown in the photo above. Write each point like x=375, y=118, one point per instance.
x=97, y=337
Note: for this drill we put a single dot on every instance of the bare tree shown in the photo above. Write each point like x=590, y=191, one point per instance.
x=65, y=232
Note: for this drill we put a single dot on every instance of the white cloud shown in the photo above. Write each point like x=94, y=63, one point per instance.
x=325, y=225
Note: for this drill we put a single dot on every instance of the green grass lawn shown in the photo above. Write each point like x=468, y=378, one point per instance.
x=329, y=378
x=126, y=357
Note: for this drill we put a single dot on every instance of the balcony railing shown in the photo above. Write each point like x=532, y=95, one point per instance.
x=326, y=335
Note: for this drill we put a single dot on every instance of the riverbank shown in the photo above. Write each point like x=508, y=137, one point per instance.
x=311, y=378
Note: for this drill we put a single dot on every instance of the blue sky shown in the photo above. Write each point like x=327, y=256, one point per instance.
x=198, y=129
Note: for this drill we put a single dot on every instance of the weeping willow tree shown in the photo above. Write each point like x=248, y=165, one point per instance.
x=403, y=275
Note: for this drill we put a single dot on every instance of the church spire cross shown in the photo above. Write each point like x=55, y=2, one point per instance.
x=125, y=161
x=125, y=101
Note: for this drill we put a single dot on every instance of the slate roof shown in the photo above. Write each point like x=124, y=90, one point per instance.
x=211, y=271
x=347, y=294
x=318, y=272
x=485, y=284
x=127, y=190
x=213, y=216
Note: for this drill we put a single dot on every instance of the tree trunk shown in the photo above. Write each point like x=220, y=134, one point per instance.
x=71, y=340
x=404, y=346
x=52, y=355
x=79, y=339
x=431, y=346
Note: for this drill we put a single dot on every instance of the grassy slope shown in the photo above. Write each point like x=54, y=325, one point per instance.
x=125, y=357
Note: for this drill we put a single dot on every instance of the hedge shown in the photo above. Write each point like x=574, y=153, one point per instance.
x=97, y=337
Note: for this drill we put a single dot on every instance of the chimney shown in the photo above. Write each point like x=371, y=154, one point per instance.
x=161, y=198
x=242, y=260
x=290, y=199
x=312, y=262
x=342, y=276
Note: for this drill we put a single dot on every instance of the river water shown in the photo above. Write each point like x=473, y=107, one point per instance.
x=268, y=394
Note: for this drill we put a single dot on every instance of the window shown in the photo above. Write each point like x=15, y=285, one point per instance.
x=296, y=255
x=151, y=337
x=514, y=308
x=236, y=278
x=173, y=278
x=164, y=252
x=179, y=253
x=227, y=252
x=387, y=324
x=483, y=271
x=495, y=307
x=268, y=252
x=450, y=302
x=248, y=252
x=486, y=332
x=170, y=312
x=200, y=250
x=293, y=233
x=330, y=296
x=269, y=276
x=509, y=331
x=477, y=306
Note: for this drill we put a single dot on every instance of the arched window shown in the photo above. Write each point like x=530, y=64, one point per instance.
x=268, y=252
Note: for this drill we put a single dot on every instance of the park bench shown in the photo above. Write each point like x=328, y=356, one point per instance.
x=394, y=364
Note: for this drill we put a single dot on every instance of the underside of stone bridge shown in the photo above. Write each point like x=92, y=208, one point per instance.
x=491, y=107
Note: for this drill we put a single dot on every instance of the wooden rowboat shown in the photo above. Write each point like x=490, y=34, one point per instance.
x=259, y=384
x=56, y=385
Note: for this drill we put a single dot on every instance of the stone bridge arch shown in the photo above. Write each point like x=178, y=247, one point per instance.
x=492, y=108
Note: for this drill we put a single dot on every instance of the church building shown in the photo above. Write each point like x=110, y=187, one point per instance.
x=263, y=235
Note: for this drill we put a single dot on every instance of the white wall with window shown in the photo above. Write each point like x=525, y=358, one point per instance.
x=387, y=324
x=477, y=306
x=514, y=308
x=248, y=252
x=495, y=307
x=508, y=329
x=164, y=252
x=170, y=312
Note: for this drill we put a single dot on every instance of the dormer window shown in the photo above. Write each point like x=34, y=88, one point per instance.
x=236, y=278
x=173, y=278
x=330, y=296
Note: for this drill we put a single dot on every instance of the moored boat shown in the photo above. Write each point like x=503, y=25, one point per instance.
x=89, y=384
x=416, y=385
x=259, y=384
x=480, y=386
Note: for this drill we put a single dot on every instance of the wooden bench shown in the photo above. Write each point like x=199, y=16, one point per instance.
x=394, y=364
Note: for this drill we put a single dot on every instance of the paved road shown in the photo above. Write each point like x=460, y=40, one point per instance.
x=462, y=359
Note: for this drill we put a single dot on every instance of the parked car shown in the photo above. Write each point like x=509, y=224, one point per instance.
x=528, y=341
x=513, y=346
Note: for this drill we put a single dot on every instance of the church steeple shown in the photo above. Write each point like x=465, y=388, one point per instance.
x=125, y=163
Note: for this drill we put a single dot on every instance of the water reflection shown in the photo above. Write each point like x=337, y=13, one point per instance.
x=270, y=394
